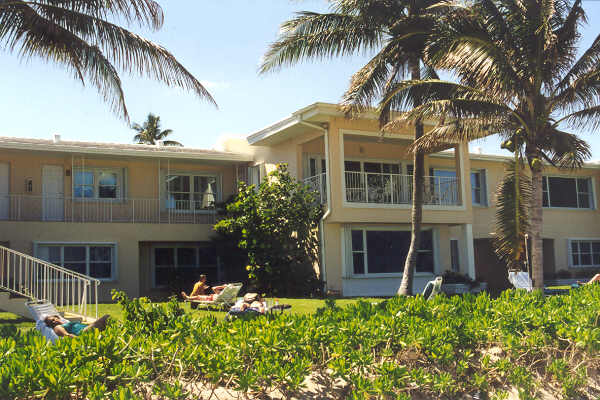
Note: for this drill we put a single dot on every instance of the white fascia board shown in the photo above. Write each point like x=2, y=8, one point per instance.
x=62, y=148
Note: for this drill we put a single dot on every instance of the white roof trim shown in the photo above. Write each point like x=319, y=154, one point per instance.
x=114, y=150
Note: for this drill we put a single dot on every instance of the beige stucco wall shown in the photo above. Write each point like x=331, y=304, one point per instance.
x=23, y=235
x=141, y=174
x=559, y=224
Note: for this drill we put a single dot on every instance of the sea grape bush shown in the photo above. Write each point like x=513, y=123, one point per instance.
x=397, y=348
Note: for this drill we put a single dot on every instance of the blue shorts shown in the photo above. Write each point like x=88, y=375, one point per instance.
x=74, y=328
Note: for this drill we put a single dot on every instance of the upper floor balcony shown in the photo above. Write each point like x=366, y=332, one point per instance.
x=52, y=208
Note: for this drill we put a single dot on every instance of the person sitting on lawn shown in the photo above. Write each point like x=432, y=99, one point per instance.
x=65, y=328
x=199, y=292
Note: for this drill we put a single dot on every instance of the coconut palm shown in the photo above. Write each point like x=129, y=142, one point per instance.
x=150, y=133
x=519, y=78
x=80, y=36
x=396, y=31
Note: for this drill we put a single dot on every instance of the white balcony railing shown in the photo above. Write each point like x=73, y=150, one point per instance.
x=381, y=188
x=23, y=207
x=319, y=185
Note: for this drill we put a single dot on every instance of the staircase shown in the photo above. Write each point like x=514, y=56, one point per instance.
x=24, y=278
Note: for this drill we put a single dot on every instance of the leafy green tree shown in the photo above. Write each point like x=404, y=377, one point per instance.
x=397, y=31
x=277, y=226
x=519, y=78
x=82, y=37
x=150, y=132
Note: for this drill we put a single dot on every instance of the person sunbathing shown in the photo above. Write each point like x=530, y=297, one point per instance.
x=595, y=279
x=254, y=302
x=199, y=292
x=65, y=328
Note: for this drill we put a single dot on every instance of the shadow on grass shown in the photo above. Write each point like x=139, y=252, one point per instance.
x=18, y=320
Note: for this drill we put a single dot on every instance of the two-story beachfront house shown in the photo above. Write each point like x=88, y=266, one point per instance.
x=132, y=215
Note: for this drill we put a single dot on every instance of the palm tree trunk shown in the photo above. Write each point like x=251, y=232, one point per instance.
x=410, y=263
x=537, y=255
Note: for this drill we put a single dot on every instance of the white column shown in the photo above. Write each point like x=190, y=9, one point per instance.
x=467, y=237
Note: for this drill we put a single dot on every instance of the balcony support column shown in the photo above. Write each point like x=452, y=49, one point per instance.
x=468, y=250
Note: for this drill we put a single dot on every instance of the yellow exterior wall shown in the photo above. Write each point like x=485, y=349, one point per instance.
x=559, y=224
x=22, y=236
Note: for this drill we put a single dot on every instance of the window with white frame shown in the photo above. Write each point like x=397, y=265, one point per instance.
x=478, y=188
x=371, y=181
x=567, y=192
x=192, y=191
x=384, y=251
x=584, y=253
x=97, y=183
x=182, y=262
x=97, y=260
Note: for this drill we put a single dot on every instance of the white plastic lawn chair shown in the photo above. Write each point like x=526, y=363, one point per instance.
x=224, y=300
x=520, y=280
x=39, y=310
x=433, y=288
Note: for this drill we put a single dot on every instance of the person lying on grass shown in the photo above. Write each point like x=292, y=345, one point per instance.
x=199, y=292
x=64, y=328
x=595, y=279
x=252, y=302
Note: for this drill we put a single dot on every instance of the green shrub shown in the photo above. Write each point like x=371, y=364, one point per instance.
x=397, y=348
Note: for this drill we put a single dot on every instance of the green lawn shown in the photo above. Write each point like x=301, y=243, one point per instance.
x=299, y=306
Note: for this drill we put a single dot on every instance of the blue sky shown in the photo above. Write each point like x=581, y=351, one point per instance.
x=221, y=42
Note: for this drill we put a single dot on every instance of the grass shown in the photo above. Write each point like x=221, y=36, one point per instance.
x=299, y=306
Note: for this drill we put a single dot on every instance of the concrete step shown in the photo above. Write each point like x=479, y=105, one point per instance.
x=14, y=304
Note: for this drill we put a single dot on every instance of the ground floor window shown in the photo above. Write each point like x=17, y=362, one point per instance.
x=95, y=260
x=384, y=251
x=182, y=262
x=585, y=253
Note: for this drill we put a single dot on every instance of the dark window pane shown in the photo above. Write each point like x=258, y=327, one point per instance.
x=84, y=191
x=575, y=259
x=476, y=195
x=178, y=183
x=391, y=168
x=107, y=179
x=312, y=163
x=107, y=192
x=585, y=247
x=575, y=247
x=352, y=166
x=163, y=276
x=596, y=247
x=358, y=260
x=596, y=259
x=357, y=241
x=425, y=255
x=207, y=255
x=101, y=270
x=563, y=192
x=454, y=255
x=77, y=267
x=584, y=200
x=372, y=167
x=545, y=183
x=583, y=185
x=323, y=165
x=164, y=256
x=545, y=200
x=49, y=253
x=186, y=257
x=586, y=259
x=98, y=253
x=410, y=169
x=386, y=250
x=74, y=253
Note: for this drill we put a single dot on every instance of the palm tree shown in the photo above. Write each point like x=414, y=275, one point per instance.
x=397, y=31
x=80, y=36
x=150, y=133
x=519, y=78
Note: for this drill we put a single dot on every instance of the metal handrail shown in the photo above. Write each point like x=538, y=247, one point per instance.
x=40, y=280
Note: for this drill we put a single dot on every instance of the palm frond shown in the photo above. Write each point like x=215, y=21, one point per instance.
x=564, y=150
x=172, y=143
x=315, y=36
x=77, y=37
x=512, y=219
